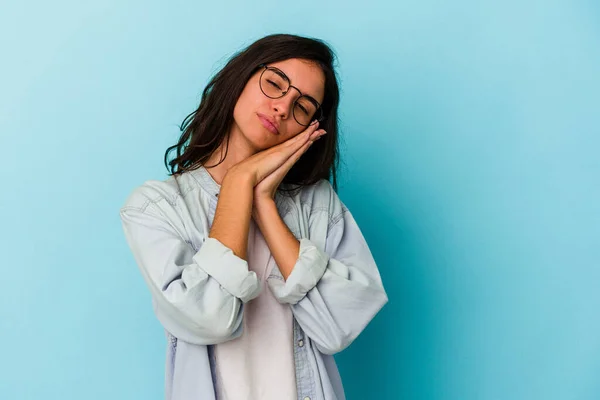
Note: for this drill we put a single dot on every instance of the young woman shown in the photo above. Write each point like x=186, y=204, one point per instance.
x=258, y=272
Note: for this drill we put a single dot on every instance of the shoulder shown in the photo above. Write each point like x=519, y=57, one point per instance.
x=320, y=197
x=159, y=192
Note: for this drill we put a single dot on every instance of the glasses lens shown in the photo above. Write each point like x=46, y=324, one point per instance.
x=305, y=110
x=273, y=84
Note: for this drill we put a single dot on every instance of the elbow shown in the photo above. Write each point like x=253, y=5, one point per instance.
x=383, y=299
x=334, y=345
x=222, y=323
x=226, y=326
x=341, y=335
x=203, y=328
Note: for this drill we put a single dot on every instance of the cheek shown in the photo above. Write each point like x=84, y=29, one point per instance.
x=242, y=104
x=248, y=103
x=244, y=109
x=294, y=129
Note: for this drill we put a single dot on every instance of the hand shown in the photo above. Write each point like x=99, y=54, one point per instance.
x=271, y=165
x=265, y=189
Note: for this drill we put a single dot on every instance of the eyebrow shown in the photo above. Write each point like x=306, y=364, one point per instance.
x=284, y=76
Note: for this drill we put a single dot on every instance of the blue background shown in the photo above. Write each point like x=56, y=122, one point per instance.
x=471, y=137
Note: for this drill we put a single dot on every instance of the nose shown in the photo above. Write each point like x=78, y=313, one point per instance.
x=283, y=105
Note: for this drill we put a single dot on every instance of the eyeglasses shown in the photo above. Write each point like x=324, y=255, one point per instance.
x=275, y=84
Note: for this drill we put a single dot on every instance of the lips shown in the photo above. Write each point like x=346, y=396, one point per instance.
x=268, y=123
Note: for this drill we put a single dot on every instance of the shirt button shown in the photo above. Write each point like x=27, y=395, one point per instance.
x=307, y=398
x=301, y=343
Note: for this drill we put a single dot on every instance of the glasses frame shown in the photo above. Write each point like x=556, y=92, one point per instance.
x=318, y=113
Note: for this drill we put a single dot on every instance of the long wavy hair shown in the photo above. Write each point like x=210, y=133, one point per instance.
x=205, y=129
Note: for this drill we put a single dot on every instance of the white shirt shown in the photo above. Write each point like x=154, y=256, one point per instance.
x=260, y=363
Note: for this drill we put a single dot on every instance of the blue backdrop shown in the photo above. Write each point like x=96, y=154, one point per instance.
x=471, y=137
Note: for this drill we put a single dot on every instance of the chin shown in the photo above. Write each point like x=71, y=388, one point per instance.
x=259, y=138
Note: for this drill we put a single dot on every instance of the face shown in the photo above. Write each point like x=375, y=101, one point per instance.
x=253, y=106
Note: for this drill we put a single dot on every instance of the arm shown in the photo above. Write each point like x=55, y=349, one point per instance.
x=336, y=291
x=232, y=216
x=198, y=294
x=283, y=244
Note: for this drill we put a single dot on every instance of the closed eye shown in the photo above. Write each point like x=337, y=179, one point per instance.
x=303, y=109
x=274, y=84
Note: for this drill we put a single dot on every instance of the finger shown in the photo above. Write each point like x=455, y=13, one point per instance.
x=296, y=156
x=300, y=147
x=301, y=138
x=280, y=172
x=273, y=158
x=291, y=145
x=317, y=134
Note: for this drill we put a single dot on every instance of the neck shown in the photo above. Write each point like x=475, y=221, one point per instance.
x=238, y=150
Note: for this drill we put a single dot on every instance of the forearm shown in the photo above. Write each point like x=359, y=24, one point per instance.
x=232, y=216
x=281, y=241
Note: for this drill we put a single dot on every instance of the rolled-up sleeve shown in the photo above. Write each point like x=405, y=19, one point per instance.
x=198, y=296
x=336, y=291
x=308, y=270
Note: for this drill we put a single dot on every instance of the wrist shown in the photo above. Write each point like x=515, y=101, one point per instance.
x=237, y=177
x=263, y=202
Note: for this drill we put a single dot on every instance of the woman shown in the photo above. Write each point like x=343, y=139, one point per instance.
x=257, y=270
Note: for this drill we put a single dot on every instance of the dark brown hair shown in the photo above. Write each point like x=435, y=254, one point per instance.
x=204, y=130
